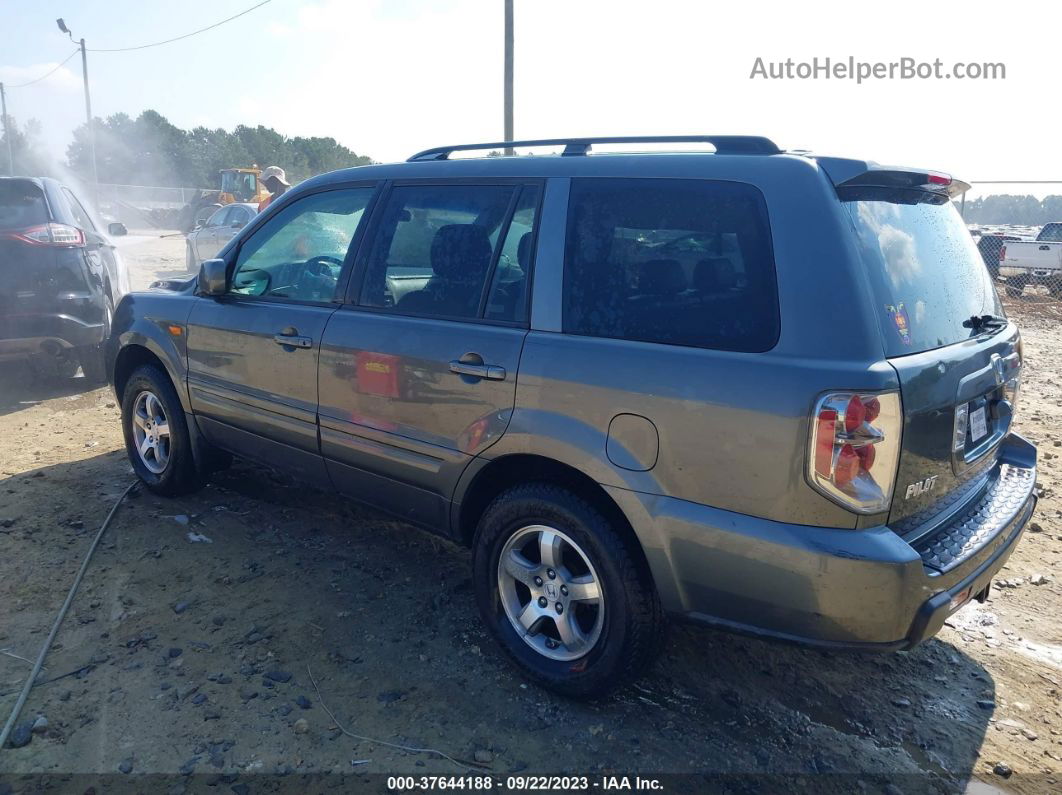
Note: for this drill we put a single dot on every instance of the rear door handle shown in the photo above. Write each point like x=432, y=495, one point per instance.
x=292, y=341
x=491, y=372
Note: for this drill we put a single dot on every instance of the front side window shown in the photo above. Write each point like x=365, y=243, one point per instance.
x=299, y=253
x=218, y=218
x=674, y=261
x=438, y=247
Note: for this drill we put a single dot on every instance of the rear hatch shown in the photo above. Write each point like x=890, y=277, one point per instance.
x=33, y=270
x=943, y=331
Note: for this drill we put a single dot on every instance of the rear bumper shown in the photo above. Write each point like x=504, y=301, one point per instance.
x=859, y=589
x=1031, y=275
x=25, y=335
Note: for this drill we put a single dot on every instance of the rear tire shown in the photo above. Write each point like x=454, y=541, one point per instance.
x=569, y=641
x=156, y=434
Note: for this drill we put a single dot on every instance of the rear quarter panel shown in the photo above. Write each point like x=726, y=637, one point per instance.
x=733, y=427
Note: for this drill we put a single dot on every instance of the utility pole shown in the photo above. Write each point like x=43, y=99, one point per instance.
x=508, y=74
x=91, y=129
x=88, y=113
x=7, y=132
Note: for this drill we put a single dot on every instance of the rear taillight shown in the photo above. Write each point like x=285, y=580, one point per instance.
x=1002, y=253
x=854, y=448
x=49, y=235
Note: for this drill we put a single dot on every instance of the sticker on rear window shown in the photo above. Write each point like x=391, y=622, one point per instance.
x=903, y=323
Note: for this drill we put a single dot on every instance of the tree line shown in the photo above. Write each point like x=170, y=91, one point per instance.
x=149, y=150
x=1009, y=209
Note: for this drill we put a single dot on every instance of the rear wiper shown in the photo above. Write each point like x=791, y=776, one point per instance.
x=984, y=322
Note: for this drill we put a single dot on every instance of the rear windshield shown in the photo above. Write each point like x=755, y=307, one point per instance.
x=1051, y=233
x=925, y=270
x=21, y=204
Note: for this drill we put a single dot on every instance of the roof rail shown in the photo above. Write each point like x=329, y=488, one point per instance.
x=724, y=144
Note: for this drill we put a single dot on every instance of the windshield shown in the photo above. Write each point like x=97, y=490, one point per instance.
x=925, y=270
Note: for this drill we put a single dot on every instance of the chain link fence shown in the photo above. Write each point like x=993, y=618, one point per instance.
x=1017, y=227
x=146, y=205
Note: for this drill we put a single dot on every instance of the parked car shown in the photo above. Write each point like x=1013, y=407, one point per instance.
x=59, y=279
x=209, y=237
x=991, y=246
x=803, y=432
x=1036, y=262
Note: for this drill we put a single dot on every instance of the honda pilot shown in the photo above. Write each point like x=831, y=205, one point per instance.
x=764, y=391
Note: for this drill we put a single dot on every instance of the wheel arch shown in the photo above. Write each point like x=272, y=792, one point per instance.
x=501, y=473
x=136, y=354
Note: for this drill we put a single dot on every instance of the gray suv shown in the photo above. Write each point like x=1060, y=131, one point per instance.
x=763, y=391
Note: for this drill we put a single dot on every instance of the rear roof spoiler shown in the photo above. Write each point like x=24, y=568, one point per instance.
x=856, y=173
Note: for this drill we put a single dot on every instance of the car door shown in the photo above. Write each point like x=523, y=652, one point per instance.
x=237, y=218
x=418, y=372
x=99, y=251
x=253, y=352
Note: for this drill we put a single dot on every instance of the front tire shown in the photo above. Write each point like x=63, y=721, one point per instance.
x=563, y=593
x=156, y=434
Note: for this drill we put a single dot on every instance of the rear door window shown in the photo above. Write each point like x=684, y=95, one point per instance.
x=21, y=204
x=675, y=261
x=448, y=251
x=80, y=215
x=926, y=274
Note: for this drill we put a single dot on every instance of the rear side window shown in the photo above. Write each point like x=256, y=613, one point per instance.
x=78, y=211
x=452, y=251
x=21, y=204
x=675, y=261
x=926, y=274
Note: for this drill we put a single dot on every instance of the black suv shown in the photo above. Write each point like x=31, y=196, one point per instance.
x=59, y=279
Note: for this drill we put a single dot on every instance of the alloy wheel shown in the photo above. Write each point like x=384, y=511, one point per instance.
x=551, y=592
x=151, y=432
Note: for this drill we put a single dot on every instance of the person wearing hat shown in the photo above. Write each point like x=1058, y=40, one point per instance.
x=275, y=182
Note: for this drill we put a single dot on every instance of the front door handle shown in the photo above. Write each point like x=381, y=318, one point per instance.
x=492, y=372
x=292, y=341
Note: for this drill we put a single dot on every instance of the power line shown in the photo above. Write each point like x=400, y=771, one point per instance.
x=47, y=74
x=185, y=36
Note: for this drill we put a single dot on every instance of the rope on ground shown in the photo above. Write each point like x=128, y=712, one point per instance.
x=408, y=748
x=32, y=678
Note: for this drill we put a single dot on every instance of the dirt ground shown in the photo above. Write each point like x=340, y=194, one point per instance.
x=190, y=646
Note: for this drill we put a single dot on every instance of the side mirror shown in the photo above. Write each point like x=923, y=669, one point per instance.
x=199, y=223
x=212, y=278
x=238, y=224
x=117, y=230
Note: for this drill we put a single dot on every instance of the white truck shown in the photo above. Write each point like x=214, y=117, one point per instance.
x=1036, y=262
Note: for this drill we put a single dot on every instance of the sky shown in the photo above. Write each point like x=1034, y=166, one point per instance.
x=390, y=77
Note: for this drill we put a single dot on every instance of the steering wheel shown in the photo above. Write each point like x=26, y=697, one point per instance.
x=324, y=259
x=317, y=276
